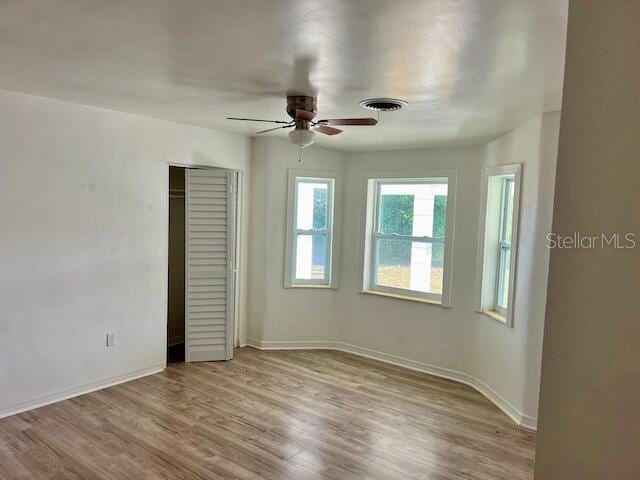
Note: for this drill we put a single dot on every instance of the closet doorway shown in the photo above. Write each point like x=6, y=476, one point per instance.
x=202, y=264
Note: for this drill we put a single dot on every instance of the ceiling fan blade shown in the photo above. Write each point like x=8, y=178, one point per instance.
x=349, y=121
x=272, y=129
x=327, y=130
x=305, y=115
x=256, y=120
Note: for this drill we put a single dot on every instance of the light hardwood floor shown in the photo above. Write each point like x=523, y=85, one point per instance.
x=303, y=415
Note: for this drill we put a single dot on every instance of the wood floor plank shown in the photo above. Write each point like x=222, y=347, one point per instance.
x=299, y=415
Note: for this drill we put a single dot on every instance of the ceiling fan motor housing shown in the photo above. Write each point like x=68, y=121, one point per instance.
x=300, y=102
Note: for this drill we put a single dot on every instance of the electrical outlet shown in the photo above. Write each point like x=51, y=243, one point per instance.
x=111, y=339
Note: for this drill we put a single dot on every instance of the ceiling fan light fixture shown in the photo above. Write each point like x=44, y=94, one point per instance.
x=384, y=104
x=302, y=138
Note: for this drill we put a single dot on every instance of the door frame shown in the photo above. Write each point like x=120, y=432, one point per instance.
x=239, y=247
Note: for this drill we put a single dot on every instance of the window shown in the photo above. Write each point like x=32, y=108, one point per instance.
x=407, y=237
x=310, y=231
x=496, y=258
x=504, y=256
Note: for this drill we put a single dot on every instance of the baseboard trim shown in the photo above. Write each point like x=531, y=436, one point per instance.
x=524, y=421
x=80, y=390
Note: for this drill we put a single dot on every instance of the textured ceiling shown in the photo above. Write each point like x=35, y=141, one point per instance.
x=471, y=69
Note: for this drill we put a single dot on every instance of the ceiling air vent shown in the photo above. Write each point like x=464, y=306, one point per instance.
x=383, y=104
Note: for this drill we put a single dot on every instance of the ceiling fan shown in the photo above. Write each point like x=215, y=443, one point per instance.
x=303, y=109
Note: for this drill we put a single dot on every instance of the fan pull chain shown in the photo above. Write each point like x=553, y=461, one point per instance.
x=299, y=154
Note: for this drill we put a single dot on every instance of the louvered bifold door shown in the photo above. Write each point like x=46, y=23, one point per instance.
x=210, y=247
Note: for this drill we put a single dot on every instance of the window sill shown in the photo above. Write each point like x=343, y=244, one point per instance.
x=405, y=297
x=310, y=286
x=496, y=316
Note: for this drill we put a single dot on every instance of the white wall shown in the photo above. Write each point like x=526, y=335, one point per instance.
x=276, y=313
x=508, y=359
x=504, y=363
x=589, y=420
x=83, y=209
x=424, y=333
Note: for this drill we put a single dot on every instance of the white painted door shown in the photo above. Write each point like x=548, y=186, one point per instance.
x=210, y=206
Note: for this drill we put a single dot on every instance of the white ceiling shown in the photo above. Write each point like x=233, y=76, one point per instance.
x=471, y=69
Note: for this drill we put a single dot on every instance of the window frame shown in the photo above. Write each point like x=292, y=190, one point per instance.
x=490, y=274
x=373, y=183
x=327, y=231
x=333, y=180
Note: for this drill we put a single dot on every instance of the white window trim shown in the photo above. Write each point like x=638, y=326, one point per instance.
x=482, y=304
x=369, y=215
x=333, y=228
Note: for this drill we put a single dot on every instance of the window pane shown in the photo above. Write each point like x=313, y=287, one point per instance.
x=312, y=206
x=413, y=209
x=509, y=191
x=503, y=280
x=409, y=265
x=439, y=215
x=437, y=268
x=396, y=214
x=311, y=256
